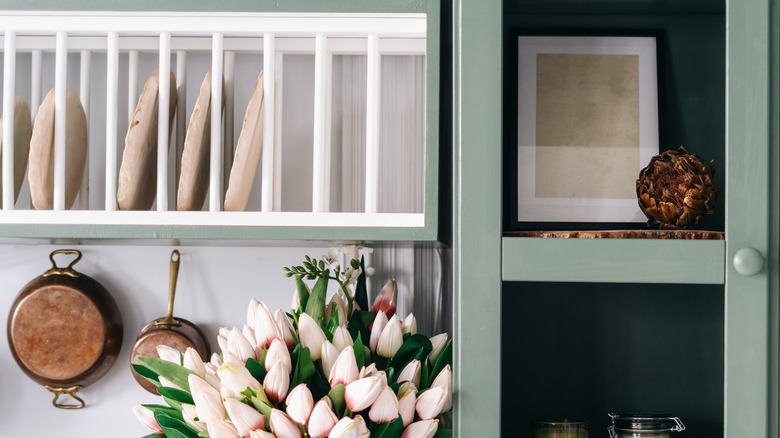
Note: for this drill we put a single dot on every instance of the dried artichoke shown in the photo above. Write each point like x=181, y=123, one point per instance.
x=676, y=190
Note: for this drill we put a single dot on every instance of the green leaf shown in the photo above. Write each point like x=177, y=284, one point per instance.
x=333, y=322
x=442, y=433
x=262, y=406
x=151, y=435
x=174, y=428
x=176, y=394
x=146, y=373
x=361, y=292
x=177, y=374
x=304, y=368
x=336, y=395
x=256, y=369
x=425, y=379
x=315, y=307
x=444, y=359
x=172, y=403
x=416, y=347
x=203, y=434
x=358, y=347
x=358, y=324
x=318, y=385
x=393, y=429
x=175, y=413
x=303, y=292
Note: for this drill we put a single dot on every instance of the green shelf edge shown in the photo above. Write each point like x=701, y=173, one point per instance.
x=613, y=260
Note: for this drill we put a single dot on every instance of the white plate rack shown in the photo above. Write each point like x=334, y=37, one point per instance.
x=223, y=35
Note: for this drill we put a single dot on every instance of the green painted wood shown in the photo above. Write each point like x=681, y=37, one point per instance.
x=477, y=53
x=220, y=5
x=613, y=260
x=752, y=44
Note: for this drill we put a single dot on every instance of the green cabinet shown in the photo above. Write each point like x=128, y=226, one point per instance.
x=585, y=326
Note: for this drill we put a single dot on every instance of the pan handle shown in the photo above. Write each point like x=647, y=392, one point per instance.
x=175, y=258
x=69, y=271
x=71, y=392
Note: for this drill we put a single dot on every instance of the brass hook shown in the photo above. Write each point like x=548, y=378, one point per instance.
x=71, y=392
x=63, y=271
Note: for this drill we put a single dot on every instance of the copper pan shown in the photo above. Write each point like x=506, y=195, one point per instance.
x=64, y=330
x=177, y=333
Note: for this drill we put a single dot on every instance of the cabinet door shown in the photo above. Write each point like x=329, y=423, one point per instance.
x=751, y=219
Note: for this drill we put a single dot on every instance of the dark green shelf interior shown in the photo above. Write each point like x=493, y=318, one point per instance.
x=693, y=84
x=580, y=351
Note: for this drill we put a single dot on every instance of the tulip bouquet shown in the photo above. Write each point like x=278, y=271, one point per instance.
x=329, y=368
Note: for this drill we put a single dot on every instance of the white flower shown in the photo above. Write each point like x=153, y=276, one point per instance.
x=391, y=338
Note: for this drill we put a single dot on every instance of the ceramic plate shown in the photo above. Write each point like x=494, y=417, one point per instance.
x=194, y=179
x=22, y=135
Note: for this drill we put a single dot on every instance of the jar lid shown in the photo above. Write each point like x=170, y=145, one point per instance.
x=564, y=423
x=647, y=421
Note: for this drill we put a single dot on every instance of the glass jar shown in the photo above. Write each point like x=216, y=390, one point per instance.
x=644, y=425
x=559, y=429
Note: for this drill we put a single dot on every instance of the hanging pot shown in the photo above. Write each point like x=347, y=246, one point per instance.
x=177, y=333
x=64, y=330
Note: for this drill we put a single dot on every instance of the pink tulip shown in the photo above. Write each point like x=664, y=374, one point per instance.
x=277, y=352
x=342, y=338
x=328, y=357
x=276, y=382
x=283, y=426
x=169, y=354
x=239, y=346
x=369, y=370
x=337, y=302
x=221, y=429
x=391, y=338
x=146, y=417
x=406, y=401
x=345, y=368
x=362, y=393
x=235, y=377
x=222, y=338
x=190, y=413
x=421, y=429
x=444, y=380
x=386, y=299
x=251, y=311
x=300, y=403
x=266, y=329
x=311, y=335
x=385, y=408
x=193, y=362
x=411, y=373
x=439, y=342
x=261, y=434
x=209, y=407
x=322, y=419
x=249, y=334
x=361, y=428
x=380, y=321
x=409, y=324
x=345, y=428
x=430, y=403
x=198, y=385
x=245, y=418
x=285, y=329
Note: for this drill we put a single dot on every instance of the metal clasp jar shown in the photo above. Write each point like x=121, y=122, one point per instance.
x=644, y=425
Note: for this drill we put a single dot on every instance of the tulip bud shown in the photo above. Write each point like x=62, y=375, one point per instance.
x=328, y=357
x=421, y=429
x=285, y=329
x=283, y=426
x=249, y=334
x=439, y=342
x=193, y=362
x=391, y=338
x=444, y=380
x=311, y=335
x=209, y=407
x=239, y=346
x=380, y=321
x=235, y=377
x=322, y=419
x=189, y=413
x=198, y=385
x=345, y=368
x=146, y=417
x=169, y=354
x=277, y=352
x=277, y=382
x=215, y=360
x=345, y=428
x=430, y=403
x=362, y=393
x=300, y=403
x=409, y=324
x=385, y=408
x=361, y=427
x=265, y=327
x=386, y=299
x=411, y=373
x=342, y=338
x=221, y=429
x=245, y=418
x=406, y=401
x=251, y=311
x=261, y=434
x=369, y=370
x=337, y=302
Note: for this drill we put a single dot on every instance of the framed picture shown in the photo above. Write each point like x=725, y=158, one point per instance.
x=584, y=123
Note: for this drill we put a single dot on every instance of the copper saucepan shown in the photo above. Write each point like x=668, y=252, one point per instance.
x=64, y=330
x=176, y=333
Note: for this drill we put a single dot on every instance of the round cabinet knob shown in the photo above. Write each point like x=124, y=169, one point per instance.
x=748, y=261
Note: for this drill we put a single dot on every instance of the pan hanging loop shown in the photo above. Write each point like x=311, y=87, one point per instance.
x=69, y=271
x=71, y=391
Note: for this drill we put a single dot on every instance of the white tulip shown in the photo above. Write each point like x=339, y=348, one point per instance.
x=391, y=338
x=342, y=338
x=311, y=335
x=380, y=321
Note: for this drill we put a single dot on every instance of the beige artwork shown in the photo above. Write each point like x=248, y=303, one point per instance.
x=587, y=126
